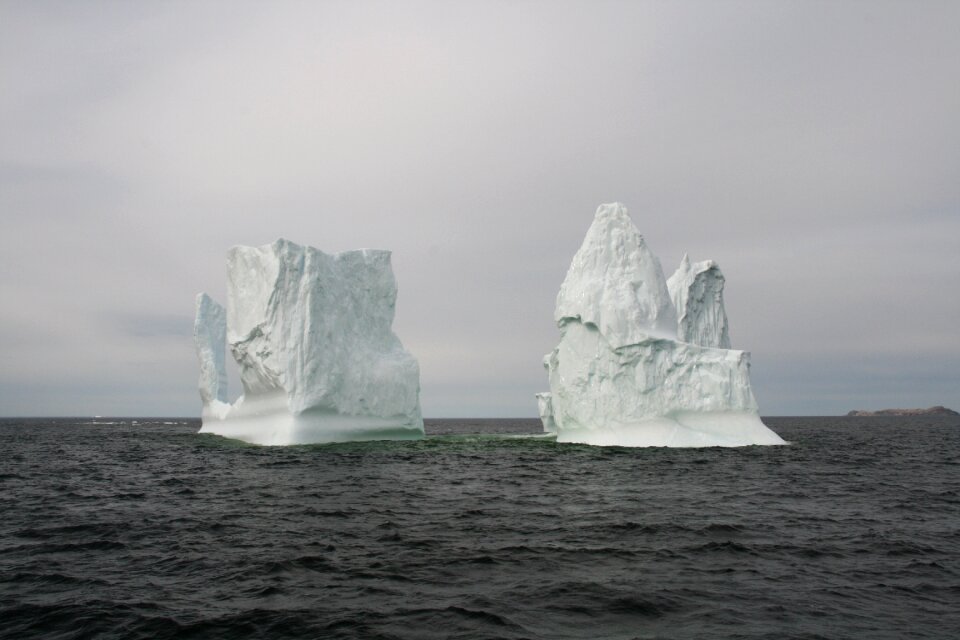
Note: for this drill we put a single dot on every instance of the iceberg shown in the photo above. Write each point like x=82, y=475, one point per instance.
x=644, y=361
x=311, y=335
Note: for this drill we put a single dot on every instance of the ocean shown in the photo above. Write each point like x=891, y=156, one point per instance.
x=140, y=528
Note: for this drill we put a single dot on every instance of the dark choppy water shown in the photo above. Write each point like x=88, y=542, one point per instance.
x=148, y=530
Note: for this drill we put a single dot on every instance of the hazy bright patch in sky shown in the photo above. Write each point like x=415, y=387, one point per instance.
x=811, y=148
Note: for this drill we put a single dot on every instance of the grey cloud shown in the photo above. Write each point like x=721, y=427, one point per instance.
x=162, y=325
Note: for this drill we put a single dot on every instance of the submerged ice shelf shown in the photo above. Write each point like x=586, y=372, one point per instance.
x=311, y=335
x=642, y=360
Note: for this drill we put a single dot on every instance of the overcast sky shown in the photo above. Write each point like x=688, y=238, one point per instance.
x=811, y=148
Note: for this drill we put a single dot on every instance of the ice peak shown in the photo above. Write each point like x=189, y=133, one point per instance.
x=612, y=210
x=616, y=283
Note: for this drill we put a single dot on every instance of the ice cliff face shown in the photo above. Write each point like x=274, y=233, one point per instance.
x=697, y=294
x=210, y=335
x=545, y=408
x=311, y=335
x=641, y=363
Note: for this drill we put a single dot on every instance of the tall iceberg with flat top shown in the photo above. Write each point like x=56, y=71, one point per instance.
x=642, y=360
x=311, y=335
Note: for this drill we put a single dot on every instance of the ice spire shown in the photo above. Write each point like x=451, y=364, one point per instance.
x=616, y=284
x=697, y=294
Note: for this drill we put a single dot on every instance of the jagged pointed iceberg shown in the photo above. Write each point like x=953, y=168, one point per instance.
x=643, y=361
x=311, y=335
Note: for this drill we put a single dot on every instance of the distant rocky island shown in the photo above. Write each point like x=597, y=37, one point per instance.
x=932, y=411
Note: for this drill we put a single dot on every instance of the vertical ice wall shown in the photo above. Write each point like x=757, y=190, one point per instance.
x=697, y=294
x=311, y=335
x=210, y=336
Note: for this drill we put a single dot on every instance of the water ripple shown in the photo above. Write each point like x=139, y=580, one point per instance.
x=119, y=530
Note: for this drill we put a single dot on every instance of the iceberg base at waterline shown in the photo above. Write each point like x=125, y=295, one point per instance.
x=279, y=429
x=682, y=429
x=267, y=421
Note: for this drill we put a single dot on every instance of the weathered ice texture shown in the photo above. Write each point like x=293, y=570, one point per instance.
x=545, y=407
x=616, y=284
x=210, y=335
x=311, y=334
x=639, y=364
x=697, y=294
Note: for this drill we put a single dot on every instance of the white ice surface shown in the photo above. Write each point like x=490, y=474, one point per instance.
x=620, y=375
x=545, y=407
x=311, y=335
x=616, y=283
x=210, y=335
x=697, y=294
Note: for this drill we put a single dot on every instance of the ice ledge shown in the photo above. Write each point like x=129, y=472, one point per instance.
x=680, y=429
